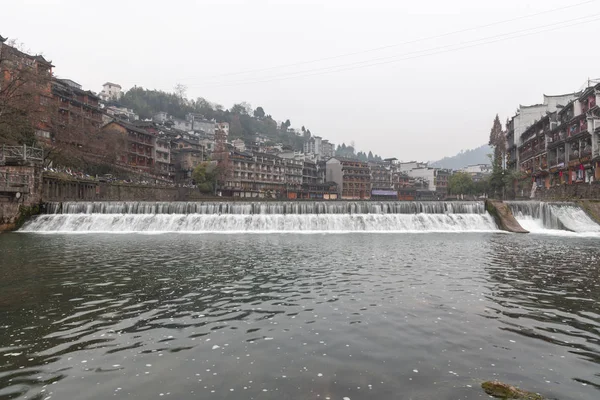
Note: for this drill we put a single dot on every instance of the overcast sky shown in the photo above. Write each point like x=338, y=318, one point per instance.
x=292, y=58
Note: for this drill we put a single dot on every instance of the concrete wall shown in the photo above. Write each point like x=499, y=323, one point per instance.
x=570, y=192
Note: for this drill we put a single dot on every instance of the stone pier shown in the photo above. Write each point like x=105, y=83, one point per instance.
x=20, y=193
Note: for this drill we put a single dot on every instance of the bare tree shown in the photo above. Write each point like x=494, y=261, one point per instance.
x=181, y=90
x=24, y=91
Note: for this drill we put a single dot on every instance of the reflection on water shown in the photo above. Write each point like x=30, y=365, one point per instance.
x=297, y=317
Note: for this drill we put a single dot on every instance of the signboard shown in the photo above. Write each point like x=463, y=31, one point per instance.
x=384, y=193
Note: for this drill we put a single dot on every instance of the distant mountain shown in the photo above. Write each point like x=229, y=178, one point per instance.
x=464, y=158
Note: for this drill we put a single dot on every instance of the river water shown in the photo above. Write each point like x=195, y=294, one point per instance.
x=297, y=316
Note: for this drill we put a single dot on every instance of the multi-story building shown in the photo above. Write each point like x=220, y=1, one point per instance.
x=25, y=85
x=319, y=148
x=524, y=118
x=328, y=149
x=124, y=113
x=441, y=182
x=352, y=177
x=110, y=91
x=186, y=155
x=78, y=109
x=382, y=180
x=309, y=173
x=432, y=180
x=254, y=175
x=532, y=153
x=405, y=186
x=410, y=165
x=140, y=145
x=426, y=174
x=478, y=172
x=293, y=177
x=164, y=165
x=570, y=142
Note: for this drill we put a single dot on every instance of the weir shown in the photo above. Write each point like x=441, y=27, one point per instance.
x=343, y=216
x=537, y=217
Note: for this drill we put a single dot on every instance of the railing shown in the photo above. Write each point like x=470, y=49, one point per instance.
x=11, y=182
x=20, y=153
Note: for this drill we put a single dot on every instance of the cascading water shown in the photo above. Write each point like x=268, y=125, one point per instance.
x=541, y=217
x=263, y=217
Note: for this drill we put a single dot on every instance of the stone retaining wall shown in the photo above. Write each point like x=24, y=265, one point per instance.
x=570, y=192
x=56, y=189
x=22, y=200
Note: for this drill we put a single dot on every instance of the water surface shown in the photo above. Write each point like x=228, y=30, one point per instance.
x=357, y=315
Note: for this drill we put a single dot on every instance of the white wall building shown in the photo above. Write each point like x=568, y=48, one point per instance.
x=160, y=117
x=110, y=91
x=424, y=173
x=527, y=115
x=477, y=169
x=239, y=145
x=410, y=165
x=319, y=148
x=222, y=126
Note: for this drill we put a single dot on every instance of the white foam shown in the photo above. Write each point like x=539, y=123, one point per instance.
x=259, y=223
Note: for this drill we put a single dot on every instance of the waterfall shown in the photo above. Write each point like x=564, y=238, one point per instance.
x=201, y=217
x=274, y=207
x=538, y=216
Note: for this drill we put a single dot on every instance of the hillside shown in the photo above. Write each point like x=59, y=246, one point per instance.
x=464, y=158
x=244, y=120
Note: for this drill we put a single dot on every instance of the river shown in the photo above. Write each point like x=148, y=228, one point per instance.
x=297, y=316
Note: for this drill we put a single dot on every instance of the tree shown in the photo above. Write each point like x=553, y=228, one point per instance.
x=25, y=84
x=205, y=175
x=370, y=157
x=306, y=133
x=460, y=183
x=181, y=90
x=287, y=124
x=498, y=143
x=259, y=113
x=238, y=109
x=235, y=127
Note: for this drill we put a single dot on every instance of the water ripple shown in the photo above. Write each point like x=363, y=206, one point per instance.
x=319, y=316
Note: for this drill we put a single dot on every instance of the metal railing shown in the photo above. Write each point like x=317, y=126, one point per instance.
x=20, y=153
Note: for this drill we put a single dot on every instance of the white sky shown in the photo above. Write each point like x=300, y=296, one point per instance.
x=414, y=108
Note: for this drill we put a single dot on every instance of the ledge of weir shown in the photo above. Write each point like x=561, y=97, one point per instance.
x=503, y=216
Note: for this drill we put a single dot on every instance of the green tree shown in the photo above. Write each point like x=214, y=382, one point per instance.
x=205, y=177
x=370, y=156
x=460, y=183
x=238, y=109
x=259, y=113
x=498, y=143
